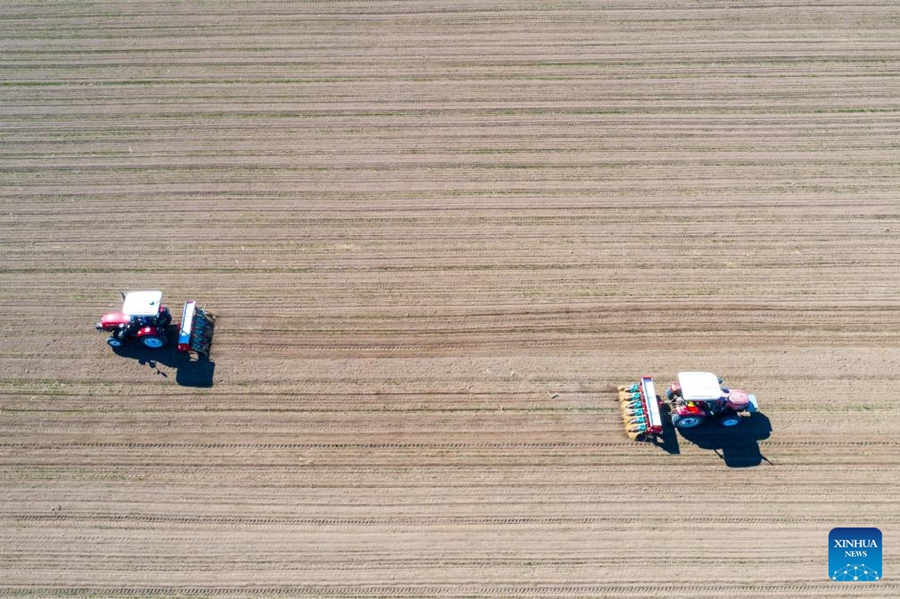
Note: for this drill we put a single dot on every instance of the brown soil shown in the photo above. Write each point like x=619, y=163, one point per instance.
x=436, y=235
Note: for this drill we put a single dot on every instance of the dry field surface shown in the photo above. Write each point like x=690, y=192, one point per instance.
x=436, y=234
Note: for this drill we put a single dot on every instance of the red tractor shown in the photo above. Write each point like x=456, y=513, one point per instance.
x=145, y=319
x=694, y=398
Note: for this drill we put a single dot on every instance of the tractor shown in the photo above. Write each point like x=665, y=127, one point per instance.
x=144, y=318
x=696, y=397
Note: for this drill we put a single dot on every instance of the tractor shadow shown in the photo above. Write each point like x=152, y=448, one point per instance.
x=189, y=371
x=739, y=446
x=668, y=441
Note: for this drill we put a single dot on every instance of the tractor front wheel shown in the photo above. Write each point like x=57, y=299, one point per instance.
x=730, y=420
x=686, y=421
x=115, y=341
x=153, y=342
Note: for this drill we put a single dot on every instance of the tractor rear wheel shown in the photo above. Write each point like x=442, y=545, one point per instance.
x=115, y=341
x=686, y=421
x=729, y=420
x=153, y=342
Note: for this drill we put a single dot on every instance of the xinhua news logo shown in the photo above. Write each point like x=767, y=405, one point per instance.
x=854, y=554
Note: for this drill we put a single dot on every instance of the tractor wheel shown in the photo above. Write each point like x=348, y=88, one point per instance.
x=729, y=420
x=115, y=341
x=153, y=342
x=686, y=421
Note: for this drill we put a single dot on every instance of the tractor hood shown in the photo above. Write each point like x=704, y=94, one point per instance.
x=738, y=399
x=113, y=320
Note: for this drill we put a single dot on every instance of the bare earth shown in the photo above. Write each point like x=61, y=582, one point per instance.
x=436, y=235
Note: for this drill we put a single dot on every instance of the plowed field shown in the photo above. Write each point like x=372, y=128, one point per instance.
x=437, y=234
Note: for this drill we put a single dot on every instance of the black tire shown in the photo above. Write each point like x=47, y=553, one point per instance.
x=729, y=420
x=114, y=341
x=680, y=421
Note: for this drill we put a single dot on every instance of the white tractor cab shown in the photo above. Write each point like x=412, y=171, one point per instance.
x=698, y=396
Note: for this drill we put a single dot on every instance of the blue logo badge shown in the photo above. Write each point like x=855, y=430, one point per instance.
x=854, y=554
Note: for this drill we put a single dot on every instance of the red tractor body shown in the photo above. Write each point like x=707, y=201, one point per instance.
x=148, y=331
x=689, y=409
x=112, y=321
x=738, y=400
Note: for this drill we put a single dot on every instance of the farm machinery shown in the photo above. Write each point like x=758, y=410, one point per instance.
x=696, y=397
x=143, y=318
